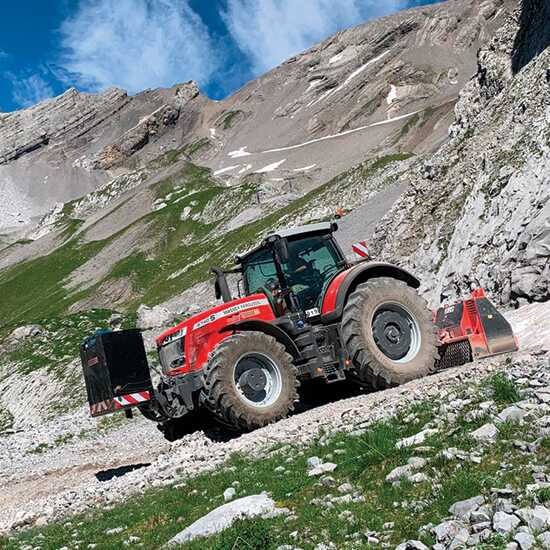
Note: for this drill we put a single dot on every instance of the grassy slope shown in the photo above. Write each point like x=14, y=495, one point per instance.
x=185, y=249
x=363, y=460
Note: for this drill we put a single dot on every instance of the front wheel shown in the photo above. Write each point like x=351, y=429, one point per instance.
x=250, y=381
x=389, y=334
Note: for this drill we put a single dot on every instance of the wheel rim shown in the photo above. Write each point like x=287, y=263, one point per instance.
x=396, y=332
x=258, y=379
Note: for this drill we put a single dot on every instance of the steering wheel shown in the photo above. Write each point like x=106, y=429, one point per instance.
x=272, y=284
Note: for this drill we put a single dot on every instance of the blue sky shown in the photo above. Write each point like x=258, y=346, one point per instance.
x=47, y=46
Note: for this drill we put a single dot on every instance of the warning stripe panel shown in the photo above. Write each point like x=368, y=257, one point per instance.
x=361, y=249
x=132, y=399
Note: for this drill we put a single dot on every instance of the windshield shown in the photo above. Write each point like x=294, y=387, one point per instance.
x=313, y=261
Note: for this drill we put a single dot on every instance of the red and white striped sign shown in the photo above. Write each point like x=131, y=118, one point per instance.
x=361, y=249
x=131, y=399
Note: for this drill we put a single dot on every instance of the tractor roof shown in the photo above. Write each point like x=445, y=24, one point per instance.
x=292, y=233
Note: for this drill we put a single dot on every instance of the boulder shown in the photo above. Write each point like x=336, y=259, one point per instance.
x=24, y=332
x=414, y=463
x=321, y=469
x=537, y=518
x=153, y=317
x=512, y=414
x=486, y=434
x=504, y=523
x=223, y=517
x=544, y=540
x=463, y=508
x=416, y=439
x=525, y=540
x=449, y=530
x=229, y=494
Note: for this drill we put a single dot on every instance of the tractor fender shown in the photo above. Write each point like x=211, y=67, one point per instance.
x=347, y=281
x=268, y=328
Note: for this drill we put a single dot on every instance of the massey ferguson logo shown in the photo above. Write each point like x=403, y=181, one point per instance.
x=230, y=311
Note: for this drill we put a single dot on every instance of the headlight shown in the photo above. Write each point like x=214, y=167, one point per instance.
x=172, y=352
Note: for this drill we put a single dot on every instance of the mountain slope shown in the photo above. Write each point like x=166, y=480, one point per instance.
x=411, y=61
x=140, y=232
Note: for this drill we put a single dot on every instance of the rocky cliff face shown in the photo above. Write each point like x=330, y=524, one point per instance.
x=66, y=147
x=476, y=213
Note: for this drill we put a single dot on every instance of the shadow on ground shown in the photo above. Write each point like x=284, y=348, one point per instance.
x=107, y=475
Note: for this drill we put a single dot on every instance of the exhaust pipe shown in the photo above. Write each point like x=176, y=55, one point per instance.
x=221, y=287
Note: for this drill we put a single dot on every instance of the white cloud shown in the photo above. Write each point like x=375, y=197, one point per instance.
x=30, y=90
x=136, y=44
x=270, y=31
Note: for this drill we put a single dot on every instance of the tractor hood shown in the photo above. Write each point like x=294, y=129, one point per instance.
x=216, y=318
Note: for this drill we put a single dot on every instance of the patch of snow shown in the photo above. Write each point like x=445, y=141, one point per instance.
x=226, y=169
x=245, y=168
x=333, y=136
x=270, y=167
x=335, y=58
x=305, y=168
x=242, y=152
x=352, y=76
x=314, y=83
x=392, y=96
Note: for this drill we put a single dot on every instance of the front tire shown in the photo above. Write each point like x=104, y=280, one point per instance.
x=389, y=334
x=250, y=381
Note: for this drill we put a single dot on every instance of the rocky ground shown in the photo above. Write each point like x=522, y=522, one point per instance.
x=69, y=466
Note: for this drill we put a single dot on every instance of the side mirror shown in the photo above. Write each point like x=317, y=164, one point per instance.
x=281, y=249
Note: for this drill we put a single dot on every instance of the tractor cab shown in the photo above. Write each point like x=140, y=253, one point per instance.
x=293, y=267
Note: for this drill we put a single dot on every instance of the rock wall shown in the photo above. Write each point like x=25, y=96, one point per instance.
x=477, y=213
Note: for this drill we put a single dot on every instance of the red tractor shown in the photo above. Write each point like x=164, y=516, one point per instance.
x=304, y=312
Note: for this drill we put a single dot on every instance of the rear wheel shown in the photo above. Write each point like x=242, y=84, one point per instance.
x=389, y=334
x=250, y=381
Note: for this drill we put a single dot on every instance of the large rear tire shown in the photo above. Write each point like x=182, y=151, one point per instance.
x=389, y=334
x=250, y=381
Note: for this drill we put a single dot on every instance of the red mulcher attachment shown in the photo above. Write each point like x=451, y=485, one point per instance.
x=472, y=329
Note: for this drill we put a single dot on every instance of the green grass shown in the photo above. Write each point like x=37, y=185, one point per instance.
x=228, y=119
x=411, y=123
x=504, y=389
x=33, y=289
x=197, y=147
x=60, y=340
x=184, y=250
x=543, y=495
x=363, y=460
